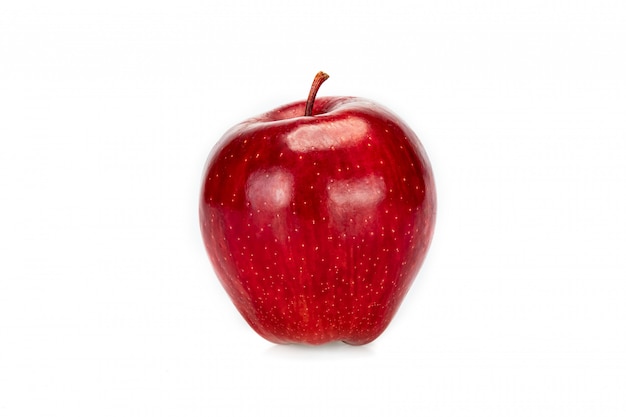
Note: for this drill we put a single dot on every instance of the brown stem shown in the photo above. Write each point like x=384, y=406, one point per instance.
x=320, y=77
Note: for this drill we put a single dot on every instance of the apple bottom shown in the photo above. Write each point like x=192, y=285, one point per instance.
x=315, y=283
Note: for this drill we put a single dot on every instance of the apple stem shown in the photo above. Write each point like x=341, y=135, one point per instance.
x=320, y=77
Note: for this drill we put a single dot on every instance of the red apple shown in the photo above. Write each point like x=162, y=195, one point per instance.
x=317, y=217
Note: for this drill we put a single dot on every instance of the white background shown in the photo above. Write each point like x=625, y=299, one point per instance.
x=108, y=110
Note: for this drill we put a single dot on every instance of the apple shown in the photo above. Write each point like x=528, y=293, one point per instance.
x=317, y=217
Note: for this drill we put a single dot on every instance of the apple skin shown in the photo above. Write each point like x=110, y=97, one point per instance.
x=317, y=225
